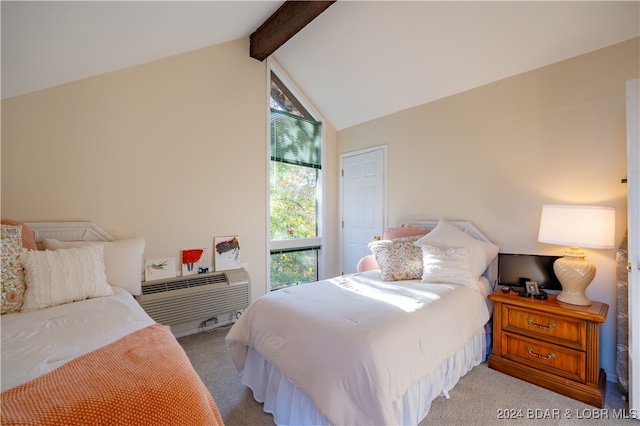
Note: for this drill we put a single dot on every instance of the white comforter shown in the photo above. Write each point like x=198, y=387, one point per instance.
x=355, y=344
x=36, y=342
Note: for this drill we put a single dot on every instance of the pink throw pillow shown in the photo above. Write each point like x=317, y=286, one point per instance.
x=367, y=263
x=404, y=231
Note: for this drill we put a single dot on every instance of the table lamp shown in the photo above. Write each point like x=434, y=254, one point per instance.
x=576, y=226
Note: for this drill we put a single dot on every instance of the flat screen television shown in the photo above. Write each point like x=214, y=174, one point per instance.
x=515, y=269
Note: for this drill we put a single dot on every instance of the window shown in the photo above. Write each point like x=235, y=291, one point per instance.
x=294, y=177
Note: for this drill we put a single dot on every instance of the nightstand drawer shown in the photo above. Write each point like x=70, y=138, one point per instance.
x=551, y=328
x=550, y=344
x=555, y=359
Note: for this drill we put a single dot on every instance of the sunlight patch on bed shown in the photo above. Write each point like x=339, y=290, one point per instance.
x=391, y=294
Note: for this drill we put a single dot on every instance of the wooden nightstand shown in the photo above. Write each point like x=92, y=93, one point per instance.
x=550, y=344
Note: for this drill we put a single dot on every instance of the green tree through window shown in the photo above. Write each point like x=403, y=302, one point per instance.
x=295, y=151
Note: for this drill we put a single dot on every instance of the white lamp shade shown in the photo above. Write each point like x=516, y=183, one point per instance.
x=578, y=226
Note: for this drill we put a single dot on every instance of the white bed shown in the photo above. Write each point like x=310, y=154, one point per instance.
x=103, y=349
x=359, y=350
x=35, y=343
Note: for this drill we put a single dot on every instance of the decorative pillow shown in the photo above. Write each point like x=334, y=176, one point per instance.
x=13, y=285
x=445, y=236
x=447, y=266
x=28, y=239
x=403, y=231
x=399, y=259
x=122, y=259
x=367, y=263
x=62, y=276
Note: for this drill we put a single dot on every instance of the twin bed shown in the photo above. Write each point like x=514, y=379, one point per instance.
x=100, y=359
x=375, y=347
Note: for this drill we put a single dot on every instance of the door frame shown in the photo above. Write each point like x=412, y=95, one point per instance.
x=341, y=195
x=633, y=227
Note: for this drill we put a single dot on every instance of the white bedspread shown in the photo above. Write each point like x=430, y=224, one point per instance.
x=34, y=343
x=355, y=344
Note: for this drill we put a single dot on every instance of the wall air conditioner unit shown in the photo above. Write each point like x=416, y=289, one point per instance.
x=178, y=300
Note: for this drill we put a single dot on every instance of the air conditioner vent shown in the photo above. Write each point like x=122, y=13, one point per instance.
x=195, y=297
x=184, y=282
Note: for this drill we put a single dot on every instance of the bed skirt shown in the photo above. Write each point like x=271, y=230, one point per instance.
x=291, y=406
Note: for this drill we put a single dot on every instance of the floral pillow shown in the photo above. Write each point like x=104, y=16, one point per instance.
x=13, y=284
x=28, y=239
x=399, y=259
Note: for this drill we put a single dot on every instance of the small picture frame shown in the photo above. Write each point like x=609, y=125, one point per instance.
x=226, y=253
x=195, y=261
x=156, y=269
x=532, y=288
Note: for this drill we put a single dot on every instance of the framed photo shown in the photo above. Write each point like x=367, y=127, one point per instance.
x=156, y=269
x=532, y=288
x=226, y=253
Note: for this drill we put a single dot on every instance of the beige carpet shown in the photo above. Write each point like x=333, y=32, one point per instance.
x=481, y=397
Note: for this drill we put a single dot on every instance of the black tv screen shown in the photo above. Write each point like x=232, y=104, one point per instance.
x=515, y=269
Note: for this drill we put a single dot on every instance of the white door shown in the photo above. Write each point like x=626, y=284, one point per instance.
x=363, y=201
x=633, y=218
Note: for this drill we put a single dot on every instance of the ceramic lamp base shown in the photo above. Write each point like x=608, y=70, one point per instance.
x=575, y=274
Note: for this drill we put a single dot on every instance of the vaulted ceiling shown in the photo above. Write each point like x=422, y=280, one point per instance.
x=357, y=61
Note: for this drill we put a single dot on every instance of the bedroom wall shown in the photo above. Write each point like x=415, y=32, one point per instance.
x=494, y=155
x=173, y=150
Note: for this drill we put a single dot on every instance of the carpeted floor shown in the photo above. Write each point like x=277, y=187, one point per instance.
x=482, y=397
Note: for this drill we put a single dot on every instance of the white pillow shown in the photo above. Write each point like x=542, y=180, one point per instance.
x=63, y=276
x=122, y=259
x=445, y=236
x=447, y=266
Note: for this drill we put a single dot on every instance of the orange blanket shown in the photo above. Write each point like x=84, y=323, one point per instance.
x=144, y=378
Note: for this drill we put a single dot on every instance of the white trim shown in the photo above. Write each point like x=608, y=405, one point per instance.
x=384, y=183
x=465, y=226
x=267, y=188
x=341, y=189
x=69, y=231
x=272, y=65
x=633, y=223
x=294, y=244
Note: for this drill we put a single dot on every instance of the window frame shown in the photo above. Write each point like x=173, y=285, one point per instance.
x=318, y=241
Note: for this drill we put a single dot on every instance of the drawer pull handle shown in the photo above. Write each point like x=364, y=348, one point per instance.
x=551, y=355
x=546, y=327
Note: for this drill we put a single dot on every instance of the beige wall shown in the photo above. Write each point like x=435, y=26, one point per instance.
x=494, y=155
x=174, y=150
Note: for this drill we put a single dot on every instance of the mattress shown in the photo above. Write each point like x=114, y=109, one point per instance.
x=37, y=342
x=355, y=345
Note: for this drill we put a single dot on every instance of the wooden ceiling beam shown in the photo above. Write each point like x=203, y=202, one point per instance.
x=290, y=18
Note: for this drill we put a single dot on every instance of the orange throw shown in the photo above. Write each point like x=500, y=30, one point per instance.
x=145, y=378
